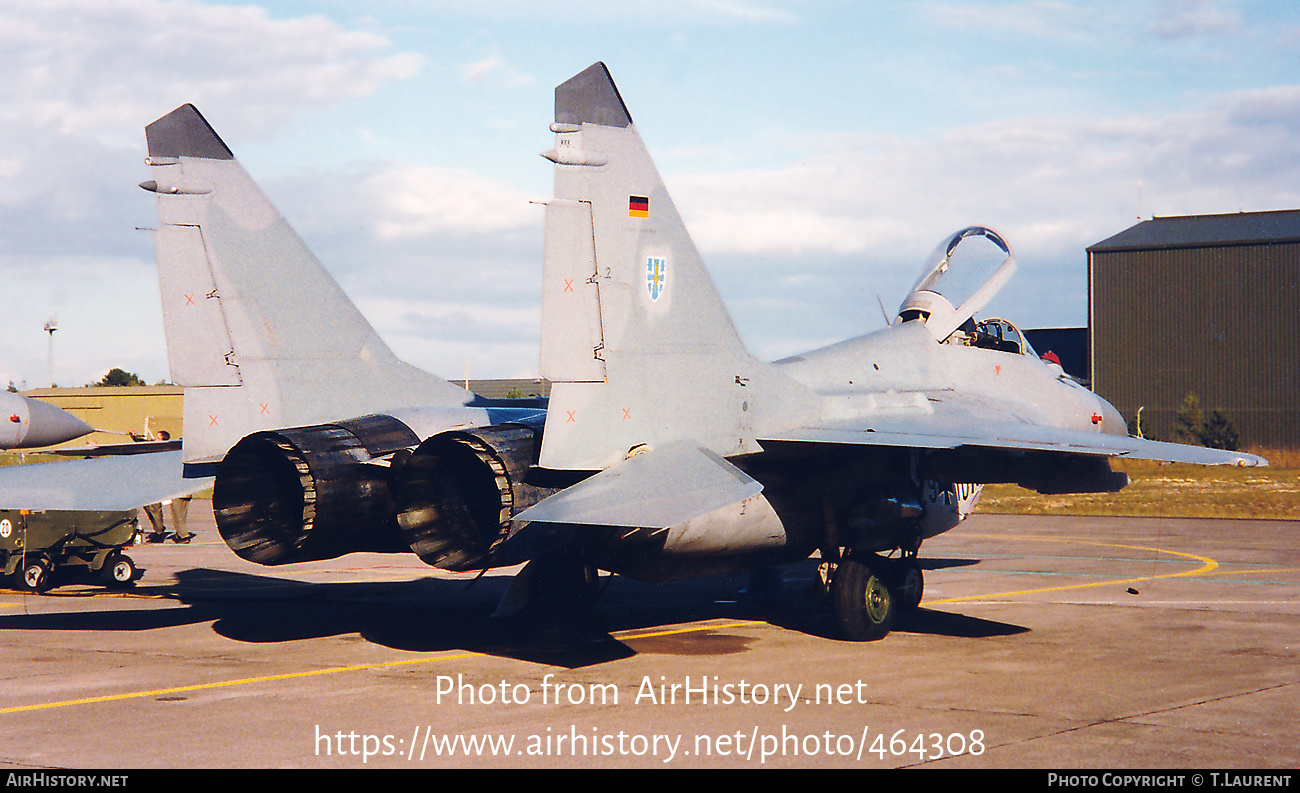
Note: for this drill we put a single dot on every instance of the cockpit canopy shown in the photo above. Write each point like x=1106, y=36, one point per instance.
x=996, y=334
x=962, y=274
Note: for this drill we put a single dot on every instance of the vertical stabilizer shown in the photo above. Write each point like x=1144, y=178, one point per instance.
x=258, y=332
x=635, y=338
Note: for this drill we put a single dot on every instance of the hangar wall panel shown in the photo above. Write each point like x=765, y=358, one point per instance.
x=1220, y=322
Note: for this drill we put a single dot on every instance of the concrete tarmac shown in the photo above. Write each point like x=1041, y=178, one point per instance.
x=1057, y=643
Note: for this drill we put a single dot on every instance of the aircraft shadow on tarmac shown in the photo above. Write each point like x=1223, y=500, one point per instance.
x=433, y=614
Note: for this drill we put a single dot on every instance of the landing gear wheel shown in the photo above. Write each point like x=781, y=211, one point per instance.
x=119, y=571
x=865, y=607
x=35, y=576
x=909, y=584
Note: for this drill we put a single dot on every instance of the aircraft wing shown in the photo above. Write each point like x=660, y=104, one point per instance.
x=116, y=449
x=110, y=483
x=944, y=422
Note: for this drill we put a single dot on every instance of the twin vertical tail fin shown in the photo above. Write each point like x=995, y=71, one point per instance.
x=636, y=341
x=258, y=332
x=651, y=385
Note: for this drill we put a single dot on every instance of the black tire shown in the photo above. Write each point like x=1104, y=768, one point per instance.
x=35, y=576
x=909, y=585
x=865, y=606
x=119, y=571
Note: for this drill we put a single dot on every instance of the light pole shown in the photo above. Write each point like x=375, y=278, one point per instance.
x=51, y=325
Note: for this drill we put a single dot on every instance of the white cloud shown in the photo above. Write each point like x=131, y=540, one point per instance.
x=494, y=69
x=97, y=67
x=1183, y=19
x=748, y=11
x=82, y=77
x=854, y=216
x=639, y=14
x=1031, y=18
x=417, y=201
x=1053, y=185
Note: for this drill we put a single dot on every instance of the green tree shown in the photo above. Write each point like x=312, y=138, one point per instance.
x=514, y=393
x=120, y=377
x=1220, y=433
x=1189, y=421
x=1216, y=432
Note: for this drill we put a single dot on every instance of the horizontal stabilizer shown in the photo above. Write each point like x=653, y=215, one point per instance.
x=656, y=489
x=683, y=496
x=111, y=483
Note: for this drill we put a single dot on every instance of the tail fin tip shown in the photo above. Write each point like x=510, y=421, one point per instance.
x=591, y=97
x=184, y=132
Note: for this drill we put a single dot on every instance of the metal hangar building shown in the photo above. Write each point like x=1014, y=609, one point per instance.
x=1206, y=305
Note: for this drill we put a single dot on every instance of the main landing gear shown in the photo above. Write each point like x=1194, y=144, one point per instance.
x=869, y=592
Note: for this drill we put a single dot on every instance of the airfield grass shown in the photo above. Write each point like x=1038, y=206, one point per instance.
x=11, y=457
x=1172, y=490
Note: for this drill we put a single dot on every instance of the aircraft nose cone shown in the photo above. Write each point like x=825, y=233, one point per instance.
x=50, y=425
x=1112, y=421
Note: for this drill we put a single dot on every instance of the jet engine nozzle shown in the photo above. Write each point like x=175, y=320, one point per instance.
x=458, y=491
x=311, y=493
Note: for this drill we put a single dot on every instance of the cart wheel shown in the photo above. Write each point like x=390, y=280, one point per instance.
x=119, y=571
x=35, y=576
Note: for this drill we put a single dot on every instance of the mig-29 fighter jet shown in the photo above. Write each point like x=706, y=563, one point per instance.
x=695, y=457
x=292, y=400
x=296, y=412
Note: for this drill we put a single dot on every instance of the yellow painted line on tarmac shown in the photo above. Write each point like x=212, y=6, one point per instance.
x=227, y=683
x=57, y=597
x=131, y=595
x=315, y=672
x=691, y=629
x=1208, y=565
x=1247, y=570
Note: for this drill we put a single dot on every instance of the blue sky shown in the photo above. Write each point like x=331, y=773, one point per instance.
x=818, y=150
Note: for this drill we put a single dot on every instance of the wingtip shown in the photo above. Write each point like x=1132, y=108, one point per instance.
x=590, y=97
x=184, y=132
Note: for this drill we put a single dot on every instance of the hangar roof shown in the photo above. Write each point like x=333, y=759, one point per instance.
x=1206, y=231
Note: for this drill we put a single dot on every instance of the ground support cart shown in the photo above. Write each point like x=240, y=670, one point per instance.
x=41, y=549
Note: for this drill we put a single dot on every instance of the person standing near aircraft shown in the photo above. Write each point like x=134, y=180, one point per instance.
x=180, y=509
